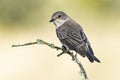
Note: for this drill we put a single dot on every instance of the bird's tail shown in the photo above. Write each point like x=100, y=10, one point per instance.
x=92, y=58
x=96, y=59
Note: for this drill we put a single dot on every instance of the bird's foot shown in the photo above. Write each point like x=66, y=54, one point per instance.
x=74, y=56
x=64, y=50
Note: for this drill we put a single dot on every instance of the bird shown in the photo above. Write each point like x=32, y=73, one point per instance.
x=72, y=36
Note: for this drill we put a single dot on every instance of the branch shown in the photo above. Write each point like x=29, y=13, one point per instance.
x=74, y=58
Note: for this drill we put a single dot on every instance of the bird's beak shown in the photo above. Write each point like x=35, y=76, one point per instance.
x=52, y=20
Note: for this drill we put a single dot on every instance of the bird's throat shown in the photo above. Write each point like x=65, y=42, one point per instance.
x=59, y=22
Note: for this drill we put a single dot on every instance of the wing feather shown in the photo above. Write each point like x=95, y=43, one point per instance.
x=73, y=36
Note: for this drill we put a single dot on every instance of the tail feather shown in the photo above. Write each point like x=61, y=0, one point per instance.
x=89, y=55
x=96, y=59
x=92, y=58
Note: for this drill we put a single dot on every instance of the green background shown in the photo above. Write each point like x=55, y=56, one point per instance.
x=24, y=21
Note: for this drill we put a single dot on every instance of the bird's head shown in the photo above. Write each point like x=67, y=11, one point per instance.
x=59, y=18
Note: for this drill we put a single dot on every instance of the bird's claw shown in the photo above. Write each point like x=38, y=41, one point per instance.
x=64, y=49
x=74, y=56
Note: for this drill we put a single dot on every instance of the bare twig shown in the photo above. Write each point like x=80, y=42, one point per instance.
x=74, y=58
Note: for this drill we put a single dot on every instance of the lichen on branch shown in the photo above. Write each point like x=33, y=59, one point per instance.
x=74, y=58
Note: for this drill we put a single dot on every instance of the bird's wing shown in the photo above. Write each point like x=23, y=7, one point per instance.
x=73, y=36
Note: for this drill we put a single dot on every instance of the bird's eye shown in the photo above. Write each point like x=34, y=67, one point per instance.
x=59, y=16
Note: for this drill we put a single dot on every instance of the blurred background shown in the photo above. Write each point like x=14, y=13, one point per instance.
x=23, y=21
